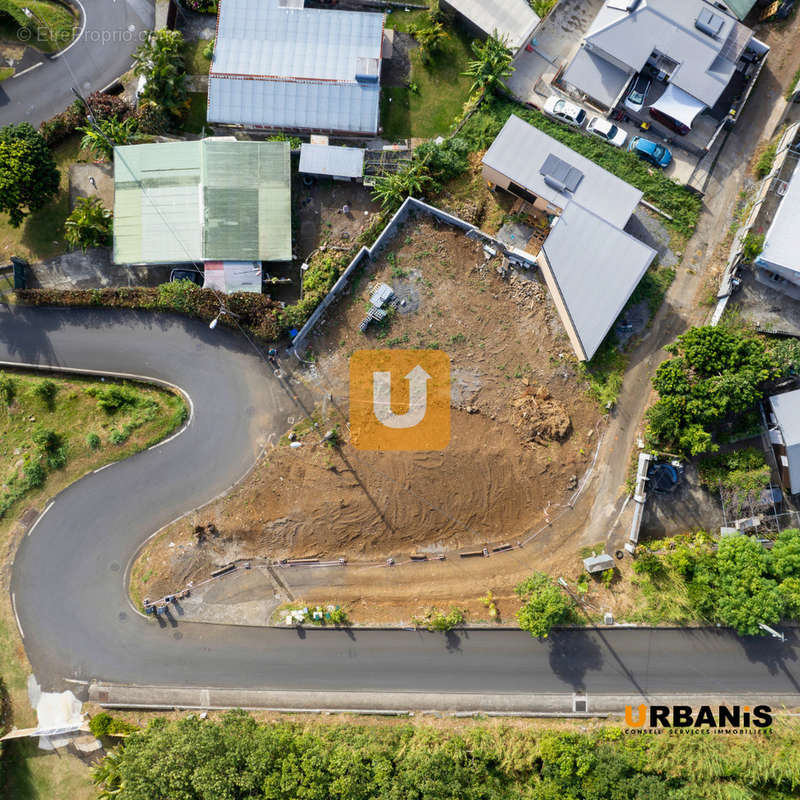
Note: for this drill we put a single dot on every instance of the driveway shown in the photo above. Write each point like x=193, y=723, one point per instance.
x=110, y=32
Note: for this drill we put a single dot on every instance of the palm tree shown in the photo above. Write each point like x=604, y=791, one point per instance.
x=89, y=224
x=106, y=776
x=107, y=133
x=412, y=180
x=160, y=61
x=491, y=65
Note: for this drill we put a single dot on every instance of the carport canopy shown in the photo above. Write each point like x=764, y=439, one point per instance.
x=679, y=105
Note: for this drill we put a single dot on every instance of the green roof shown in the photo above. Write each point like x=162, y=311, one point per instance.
x=212, y=199
x=741, y=8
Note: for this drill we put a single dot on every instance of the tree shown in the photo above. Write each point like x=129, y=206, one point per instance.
x=392, y=189
x=430, y=38
x=160, y=61
x=790, y=591
x=544, y=605
x=29, y=178
x=491, y=65
x=89, y=224
x=714, y=373
x=744, y=596
x=108, y=134
x=785, y=556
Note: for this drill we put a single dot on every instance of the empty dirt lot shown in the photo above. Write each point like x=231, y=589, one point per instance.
x=523, y=430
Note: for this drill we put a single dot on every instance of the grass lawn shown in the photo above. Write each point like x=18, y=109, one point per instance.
x=196, y=62
x=73, y=414
x=195, y=120
x=41, y=234
x=34, y=774
x=52, y=29
x=6, y=72
x=441, y=89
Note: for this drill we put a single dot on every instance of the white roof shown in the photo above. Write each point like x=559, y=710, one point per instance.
x=323, y=159
x=705, y=63
x=519, y=152
x=782, y=242
x=786, y=408
x=679, y=105
x=513, y=19
x=295, y=68
x=232, y=276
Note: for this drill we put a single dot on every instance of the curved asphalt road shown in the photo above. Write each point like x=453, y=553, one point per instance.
x=67, y=577
x=111, y=31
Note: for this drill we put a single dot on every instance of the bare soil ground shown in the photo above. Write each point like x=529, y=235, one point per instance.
x=523, y=429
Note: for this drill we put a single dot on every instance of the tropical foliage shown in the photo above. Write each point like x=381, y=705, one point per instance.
x=89, y=224
x=107, y=134
x=491, y=65
x=413, y=180
x=29, y=178
x=544, y=605
x=714, y=372
x=160, y=61
x=235, y=758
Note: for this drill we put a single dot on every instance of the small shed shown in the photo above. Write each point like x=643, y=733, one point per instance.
x=598, y=563
x=330, y=161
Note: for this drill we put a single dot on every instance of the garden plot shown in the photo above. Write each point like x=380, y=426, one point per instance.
x=523, y=430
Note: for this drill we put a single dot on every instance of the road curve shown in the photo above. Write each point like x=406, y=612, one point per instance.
x=110, y=31
x=67, y=579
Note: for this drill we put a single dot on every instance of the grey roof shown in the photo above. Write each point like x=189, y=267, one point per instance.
x=782, y=242
x=596, y=266
x=295, y=68
x=324, y=159
x=208, y=199
x=786, y=408
x=705, y=63
x=513, y=19
x=594, y=76
x=520, y=151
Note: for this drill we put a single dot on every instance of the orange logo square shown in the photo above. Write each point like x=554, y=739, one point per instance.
x=400, y=399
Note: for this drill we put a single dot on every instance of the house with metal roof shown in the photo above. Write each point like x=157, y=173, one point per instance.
x=329, y=161
x=778, y=263
x=784, y=435
x=590, y=263
x=513, y=20
x=280, y=66
x=213, y=199
x=695, y=46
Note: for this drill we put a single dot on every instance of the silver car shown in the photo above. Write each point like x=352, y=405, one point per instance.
x=608, y=131
x=563, y=111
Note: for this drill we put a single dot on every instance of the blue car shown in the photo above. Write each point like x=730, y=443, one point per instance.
x=655, y=154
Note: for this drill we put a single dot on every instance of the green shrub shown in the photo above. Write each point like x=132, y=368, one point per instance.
x=99, y=724
x=338, y=617
x=46, y=440
x=93, y=441
x=46, y=391
x=114, y=397
x=8, y=388
x=752, y=246
x=544, y=605
x=766, y=159
x=117, y=437
x=208, y=51
x=439, y=621
x=33, y=475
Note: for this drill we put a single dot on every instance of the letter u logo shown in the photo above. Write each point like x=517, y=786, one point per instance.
x=639, y=720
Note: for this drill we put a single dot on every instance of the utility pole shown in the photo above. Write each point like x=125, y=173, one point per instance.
x=771, y=631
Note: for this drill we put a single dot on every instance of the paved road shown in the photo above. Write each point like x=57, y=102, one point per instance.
x=67, y=578
x=111, y=31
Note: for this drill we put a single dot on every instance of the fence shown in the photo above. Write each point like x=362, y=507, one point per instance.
x=410, y=204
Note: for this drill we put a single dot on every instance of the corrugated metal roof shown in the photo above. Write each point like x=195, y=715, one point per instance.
x=741, y=8
x=209, y=199
x=706, y=63
x=514, y=19
x=295, y=68
x=233, y=276
x=786, y=408
x=596, y=266
x=520, y=150
x=782, y=242
x=594, y=76
x=321, y=159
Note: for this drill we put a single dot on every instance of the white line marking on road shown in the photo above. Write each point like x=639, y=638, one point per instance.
x=100, y=469
x=26, y=71
x=47, y=508
x=80, y=32
x=16, y=616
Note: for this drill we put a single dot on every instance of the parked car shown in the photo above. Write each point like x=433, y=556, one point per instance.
x=563, y=111
x=670, y=122
x=608, y=131
x=183, y=274
x=653, y=153
x=637, y=94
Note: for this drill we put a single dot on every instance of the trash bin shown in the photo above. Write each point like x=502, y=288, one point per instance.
x=19, y=272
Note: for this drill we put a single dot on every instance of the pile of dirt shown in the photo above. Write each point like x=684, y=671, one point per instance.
x=537, y=417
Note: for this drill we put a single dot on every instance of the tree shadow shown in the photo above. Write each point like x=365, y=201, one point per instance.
x=571, y=657
x=774, y=654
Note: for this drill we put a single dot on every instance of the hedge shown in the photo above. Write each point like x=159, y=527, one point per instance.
x=258, y=313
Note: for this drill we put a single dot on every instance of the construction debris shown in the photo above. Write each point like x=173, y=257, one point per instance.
x=537, y=417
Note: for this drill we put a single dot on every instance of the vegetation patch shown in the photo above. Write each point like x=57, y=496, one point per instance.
x=51, y=27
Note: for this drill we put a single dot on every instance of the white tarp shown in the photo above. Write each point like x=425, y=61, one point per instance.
x=232, y=276
x=679, y=105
